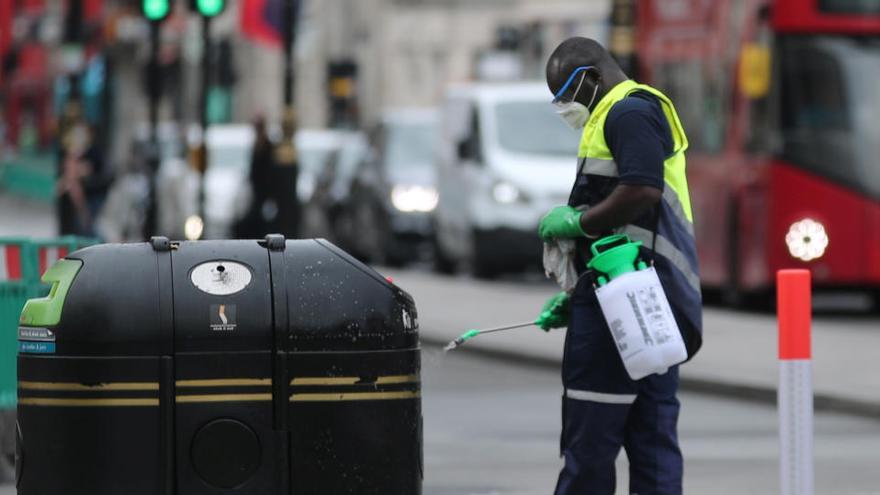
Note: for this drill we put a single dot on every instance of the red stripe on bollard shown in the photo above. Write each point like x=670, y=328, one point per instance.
x=794, y=309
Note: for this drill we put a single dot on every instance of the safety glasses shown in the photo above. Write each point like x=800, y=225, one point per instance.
x=557, y=98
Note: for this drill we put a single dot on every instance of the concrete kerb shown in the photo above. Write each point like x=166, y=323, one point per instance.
x=740, y=391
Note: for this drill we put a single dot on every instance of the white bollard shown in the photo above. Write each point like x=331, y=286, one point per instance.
x=795, y=396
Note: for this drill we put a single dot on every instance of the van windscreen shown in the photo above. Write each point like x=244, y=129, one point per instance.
x=533, y=127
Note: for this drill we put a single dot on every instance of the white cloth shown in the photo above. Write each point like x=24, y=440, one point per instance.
x=559, y=263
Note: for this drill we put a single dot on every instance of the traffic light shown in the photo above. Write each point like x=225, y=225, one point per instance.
x=208, y=8
x=156, y=10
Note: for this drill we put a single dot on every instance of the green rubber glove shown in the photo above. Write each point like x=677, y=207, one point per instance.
x=562, y=222
x=554, y=314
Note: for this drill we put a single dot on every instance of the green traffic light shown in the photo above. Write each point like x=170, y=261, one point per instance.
x=155, y=10
x=210, y=8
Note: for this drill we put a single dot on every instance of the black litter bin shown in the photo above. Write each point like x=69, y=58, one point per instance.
x=215, y=367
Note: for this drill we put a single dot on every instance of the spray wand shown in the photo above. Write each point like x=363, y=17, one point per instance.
x=473, y=333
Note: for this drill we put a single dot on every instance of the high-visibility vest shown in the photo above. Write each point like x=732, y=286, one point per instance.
x=595, y=158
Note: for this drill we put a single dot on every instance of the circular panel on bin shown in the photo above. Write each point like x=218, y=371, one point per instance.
x=221, y=277
x=225, y=453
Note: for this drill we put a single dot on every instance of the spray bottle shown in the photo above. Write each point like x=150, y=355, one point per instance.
x=635, y=307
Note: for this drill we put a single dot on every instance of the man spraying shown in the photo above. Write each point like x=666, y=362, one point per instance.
x=631, y=180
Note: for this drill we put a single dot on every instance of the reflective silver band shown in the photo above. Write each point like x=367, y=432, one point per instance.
x=597, y=166
x=608, y=168
x=600, y=397
x=671, y=198
x=666, y=249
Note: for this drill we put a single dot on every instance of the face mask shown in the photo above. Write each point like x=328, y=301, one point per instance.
x=575, y=113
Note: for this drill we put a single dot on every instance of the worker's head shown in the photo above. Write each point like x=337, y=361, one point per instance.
x=579, y=73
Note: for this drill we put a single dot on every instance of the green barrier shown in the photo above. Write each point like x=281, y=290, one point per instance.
x=30, y=175
x=18, y=272
x=22, y=263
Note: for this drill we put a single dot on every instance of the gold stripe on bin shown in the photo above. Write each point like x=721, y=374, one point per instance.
x=352, y=380
x=223, y=398
x=392, y=379
x=354, y=396
x=100, y=387
x=57, y=402
x=226, y=382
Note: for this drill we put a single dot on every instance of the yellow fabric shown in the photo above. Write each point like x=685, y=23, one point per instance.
x=593, y=143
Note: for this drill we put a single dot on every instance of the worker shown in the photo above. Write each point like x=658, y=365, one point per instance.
x=631, y=180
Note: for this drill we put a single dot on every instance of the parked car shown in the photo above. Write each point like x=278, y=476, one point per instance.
x=504, y=159
x=388, y=214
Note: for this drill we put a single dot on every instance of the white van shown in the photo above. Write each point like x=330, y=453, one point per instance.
x=504, y=159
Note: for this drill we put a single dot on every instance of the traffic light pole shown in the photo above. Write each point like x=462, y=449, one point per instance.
x=286, y=169
x=203, y=113
x=154, y=91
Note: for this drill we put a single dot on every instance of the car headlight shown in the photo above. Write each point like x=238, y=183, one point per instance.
x=193, y=228
x=506, y=193
x=806, y=239
x=414, y=198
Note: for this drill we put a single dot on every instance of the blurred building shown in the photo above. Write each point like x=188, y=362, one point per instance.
x=405, y=52
x=353, y=58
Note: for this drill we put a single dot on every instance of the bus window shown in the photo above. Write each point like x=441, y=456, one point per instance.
x=830, y=108
x=696, y=89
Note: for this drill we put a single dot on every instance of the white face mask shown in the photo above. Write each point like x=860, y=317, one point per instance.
x=575, y=113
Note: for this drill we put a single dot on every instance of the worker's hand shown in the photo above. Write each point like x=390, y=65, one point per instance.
x=554, y=314
x=562, y=222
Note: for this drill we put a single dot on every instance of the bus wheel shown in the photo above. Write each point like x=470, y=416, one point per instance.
x=731, y=293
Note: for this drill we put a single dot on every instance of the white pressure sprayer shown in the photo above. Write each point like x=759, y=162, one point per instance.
x=635, y=308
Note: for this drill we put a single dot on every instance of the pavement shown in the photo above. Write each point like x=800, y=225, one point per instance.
x=738, y=358
x=22, y=217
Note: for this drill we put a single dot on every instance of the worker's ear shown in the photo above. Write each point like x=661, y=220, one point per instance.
x=594, y=75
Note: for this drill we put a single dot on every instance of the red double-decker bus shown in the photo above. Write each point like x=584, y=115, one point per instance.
x=781, y=103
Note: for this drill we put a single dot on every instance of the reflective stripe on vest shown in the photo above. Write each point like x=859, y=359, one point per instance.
x=665, y=248
x=608, y=168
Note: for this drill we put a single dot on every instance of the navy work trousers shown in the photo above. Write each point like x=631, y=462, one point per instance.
x=604, y=410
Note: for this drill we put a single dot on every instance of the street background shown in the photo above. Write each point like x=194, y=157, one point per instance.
x=419, y=137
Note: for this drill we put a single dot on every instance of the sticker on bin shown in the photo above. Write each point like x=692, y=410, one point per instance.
x=36, y=333
x=10, y=263
x=223, y=317
x=36, y=347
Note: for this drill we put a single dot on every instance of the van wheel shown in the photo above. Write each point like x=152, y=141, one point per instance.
x=441, y=262
x=484, y=263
